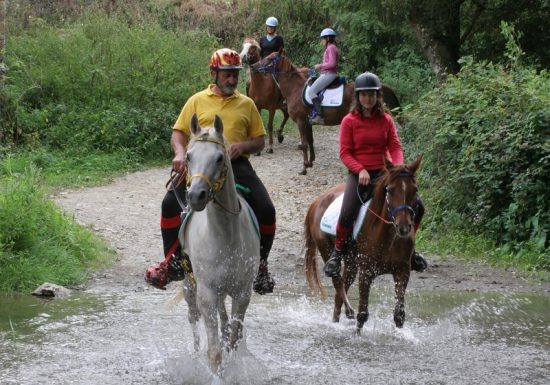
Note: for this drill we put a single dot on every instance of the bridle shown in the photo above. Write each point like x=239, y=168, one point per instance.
x=391, y=210
x=216, y=185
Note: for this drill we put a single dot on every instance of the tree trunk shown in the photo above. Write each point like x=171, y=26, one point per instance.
x=3, y=8
x=438, y=34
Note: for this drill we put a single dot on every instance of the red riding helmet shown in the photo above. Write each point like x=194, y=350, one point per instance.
x=225, y=59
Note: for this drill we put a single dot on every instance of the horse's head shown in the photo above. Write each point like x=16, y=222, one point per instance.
x=250, y=53
x=207, y=163
x=269, y=63
x=398, y=186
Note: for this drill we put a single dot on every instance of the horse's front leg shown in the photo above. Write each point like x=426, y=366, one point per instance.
x=193, y=314
x=207, y=301
x=224, y=321
x=269, y=149
x=401, y=280
x=238, y=309
x=280, y=132
x=365, y=281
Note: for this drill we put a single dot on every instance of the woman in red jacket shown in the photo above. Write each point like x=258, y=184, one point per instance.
x=367, y=134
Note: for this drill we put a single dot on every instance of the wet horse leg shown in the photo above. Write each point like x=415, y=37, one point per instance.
x=238, y=309
x=401, y=280
x=350, y=272
x=224, y=321
x=340, y=298
x=208, y=301
x=193, y=315
x=365, y=281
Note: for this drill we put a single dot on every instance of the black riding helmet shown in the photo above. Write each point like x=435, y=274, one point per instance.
x=367, y=81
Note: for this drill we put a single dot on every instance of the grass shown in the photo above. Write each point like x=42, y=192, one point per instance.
x=37, y=242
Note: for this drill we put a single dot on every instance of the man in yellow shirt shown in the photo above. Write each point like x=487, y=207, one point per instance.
x=245, y=133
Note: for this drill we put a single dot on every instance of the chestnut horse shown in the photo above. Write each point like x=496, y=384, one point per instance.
x=264, y=91
x=292, y=80
x=384, y=245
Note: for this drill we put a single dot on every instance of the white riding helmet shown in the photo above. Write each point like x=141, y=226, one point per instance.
x=327, y=32
x=272, y=22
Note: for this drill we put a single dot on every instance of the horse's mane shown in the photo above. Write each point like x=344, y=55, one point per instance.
x=251, y=41
x=301, y=71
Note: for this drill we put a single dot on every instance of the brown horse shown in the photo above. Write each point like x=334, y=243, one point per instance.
x=291, y=80
x=264, y=91
x=384, y=245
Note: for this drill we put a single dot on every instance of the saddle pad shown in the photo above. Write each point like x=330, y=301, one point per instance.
x=332, y=97
x=185, y=221
x=330, y=217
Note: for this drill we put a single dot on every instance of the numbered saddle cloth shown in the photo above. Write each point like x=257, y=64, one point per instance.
x=330, y=217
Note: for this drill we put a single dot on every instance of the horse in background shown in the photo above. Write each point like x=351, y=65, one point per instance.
x=384, y=245
x=222, y=241
x=265, y=92
x=291, y=82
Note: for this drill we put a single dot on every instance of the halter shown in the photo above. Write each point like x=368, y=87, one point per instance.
x=216, y=185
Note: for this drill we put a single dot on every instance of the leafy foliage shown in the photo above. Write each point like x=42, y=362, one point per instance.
x=37, y=243
x=101, y=85
x=488, y=154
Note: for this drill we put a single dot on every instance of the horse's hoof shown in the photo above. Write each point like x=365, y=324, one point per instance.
x=303, y=172
x=350, y=314
x=269, y=151
x=280, y=139
x=308, y=164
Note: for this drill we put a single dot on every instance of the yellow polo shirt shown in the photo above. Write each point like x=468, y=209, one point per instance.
x=240, y=117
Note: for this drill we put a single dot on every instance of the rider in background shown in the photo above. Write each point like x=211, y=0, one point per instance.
x=367, y=134
x=328, y=69
x=272, y=42
x=245, y=133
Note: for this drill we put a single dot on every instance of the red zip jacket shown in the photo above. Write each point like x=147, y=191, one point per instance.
x=365, y=141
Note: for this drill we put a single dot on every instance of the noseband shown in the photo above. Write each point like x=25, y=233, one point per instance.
x=393, y=211
x=216, y=185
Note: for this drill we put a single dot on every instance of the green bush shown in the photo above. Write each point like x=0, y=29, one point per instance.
x=37, y=243
x=101, y=84
x=486, y=136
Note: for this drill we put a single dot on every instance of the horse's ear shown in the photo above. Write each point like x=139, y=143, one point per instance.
x=388, y=165
x=194, y=125
x=415, y=164
x=218, y=125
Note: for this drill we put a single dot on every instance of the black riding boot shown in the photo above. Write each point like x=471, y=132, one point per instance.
x=320, y=118
x=418, y=262
x=263, y=283
x=332, y=266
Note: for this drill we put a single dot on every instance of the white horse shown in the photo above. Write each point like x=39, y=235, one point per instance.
x=222, y=241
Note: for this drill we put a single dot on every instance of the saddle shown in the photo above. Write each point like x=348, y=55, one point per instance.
x=243, y=192
x=331, y=97
x=330, y=217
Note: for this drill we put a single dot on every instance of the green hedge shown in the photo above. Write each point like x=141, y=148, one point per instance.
x=486, y=136
x=101, y=84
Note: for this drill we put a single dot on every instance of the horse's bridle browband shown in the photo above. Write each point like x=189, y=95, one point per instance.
x=217, y=185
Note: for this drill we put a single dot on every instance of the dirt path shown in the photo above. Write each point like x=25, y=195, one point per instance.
x=126, y=213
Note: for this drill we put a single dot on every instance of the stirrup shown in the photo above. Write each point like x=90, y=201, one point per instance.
x=333, y=265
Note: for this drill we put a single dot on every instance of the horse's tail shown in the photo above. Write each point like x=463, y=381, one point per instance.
x=310, y=256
